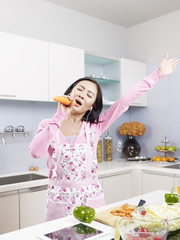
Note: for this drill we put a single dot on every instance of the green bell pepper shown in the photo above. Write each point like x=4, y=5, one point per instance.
x=83, y=229
x=84, y=214
x=171, y=198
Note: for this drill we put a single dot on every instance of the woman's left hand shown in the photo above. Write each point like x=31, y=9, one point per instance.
x=168, y=66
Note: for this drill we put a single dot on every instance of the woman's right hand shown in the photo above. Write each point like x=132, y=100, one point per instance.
x=65, y=108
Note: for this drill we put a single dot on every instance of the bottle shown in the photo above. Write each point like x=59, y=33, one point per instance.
x=99, y=150
x=108, y=148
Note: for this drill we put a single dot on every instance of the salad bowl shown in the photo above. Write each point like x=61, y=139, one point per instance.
x=131, y=229
x=153, y=212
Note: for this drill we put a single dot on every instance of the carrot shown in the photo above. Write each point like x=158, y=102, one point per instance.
x=64, y=100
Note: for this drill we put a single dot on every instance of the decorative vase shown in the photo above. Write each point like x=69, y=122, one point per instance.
x=131, y=147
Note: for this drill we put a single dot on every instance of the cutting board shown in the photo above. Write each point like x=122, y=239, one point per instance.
x=107, y=218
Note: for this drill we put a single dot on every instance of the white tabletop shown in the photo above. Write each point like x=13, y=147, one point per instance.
x=38, y=230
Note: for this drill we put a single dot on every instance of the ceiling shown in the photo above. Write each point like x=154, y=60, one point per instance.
x=126, y=13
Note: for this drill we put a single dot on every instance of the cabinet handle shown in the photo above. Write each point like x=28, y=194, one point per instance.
x=158, y=173
x=115, y=174
x=135, y=103
x=9, y=193
x=7, y=95
x=33, y=189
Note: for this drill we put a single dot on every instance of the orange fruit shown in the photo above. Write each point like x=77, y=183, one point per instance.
x=171, y=159
x=158, y=159
x=163, y=159
x=163, y=148
x=154, y=158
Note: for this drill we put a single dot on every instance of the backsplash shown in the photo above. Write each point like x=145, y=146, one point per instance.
x=15, y=155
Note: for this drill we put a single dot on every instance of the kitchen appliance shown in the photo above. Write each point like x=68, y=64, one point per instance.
x=138, y=159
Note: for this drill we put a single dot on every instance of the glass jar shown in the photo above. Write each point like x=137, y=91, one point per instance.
x=99, y=150
x=108, y=148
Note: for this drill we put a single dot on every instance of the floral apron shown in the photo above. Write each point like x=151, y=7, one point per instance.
x=74, y=180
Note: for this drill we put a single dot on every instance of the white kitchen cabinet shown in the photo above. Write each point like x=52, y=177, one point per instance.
x=66, y=64
x=116, y=76
x=9, y=211
x=24, y=68
x=106, y=71
x=131, y=73
x=137, y=182
x=117, y=187
x=152, y=181
x=32, y=206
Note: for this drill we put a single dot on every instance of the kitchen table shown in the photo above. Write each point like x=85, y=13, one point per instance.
x=40, y=229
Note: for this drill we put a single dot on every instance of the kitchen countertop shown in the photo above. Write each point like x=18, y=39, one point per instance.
x=104, y=169
x=37, y=230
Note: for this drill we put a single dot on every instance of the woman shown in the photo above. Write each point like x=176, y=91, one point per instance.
x=70, y=141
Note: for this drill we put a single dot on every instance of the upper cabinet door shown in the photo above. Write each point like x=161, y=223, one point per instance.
x=131, y=73
x=24, y=68
x=66, y=64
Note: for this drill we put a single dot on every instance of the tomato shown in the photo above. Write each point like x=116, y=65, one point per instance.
x=143, y=212
x=135, y=238
x=129, y=236
x=143, y=229
x=158, y=237
x=143, y=232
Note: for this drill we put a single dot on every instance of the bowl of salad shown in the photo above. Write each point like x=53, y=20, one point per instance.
x=153, y=212
x=130, y=229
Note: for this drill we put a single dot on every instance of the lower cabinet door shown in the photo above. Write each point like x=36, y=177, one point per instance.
x=32, y=206
x=117, y=187
x=152, y=181
x=100, y=181
x=9, y=211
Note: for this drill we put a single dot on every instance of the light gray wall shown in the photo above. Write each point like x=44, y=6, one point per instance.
x=150, y=41
x=161, y=117
x=46, y=21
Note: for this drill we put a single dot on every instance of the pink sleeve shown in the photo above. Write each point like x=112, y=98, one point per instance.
x=120, y=106
x=45, y=133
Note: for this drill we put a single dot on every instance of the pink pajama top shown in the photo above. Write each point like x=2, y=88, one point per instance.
x=73, y=179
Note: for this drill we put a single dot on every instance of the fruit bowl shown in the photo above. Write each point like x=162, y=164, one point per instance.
x=132, y=229
x=151, y=212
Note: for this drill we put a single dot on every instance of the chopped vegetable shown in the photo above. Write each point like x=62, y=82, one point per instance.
x=143, y=213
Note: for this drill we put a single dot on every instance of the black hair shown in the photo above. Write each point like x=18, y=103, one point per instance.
x=93, y=115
